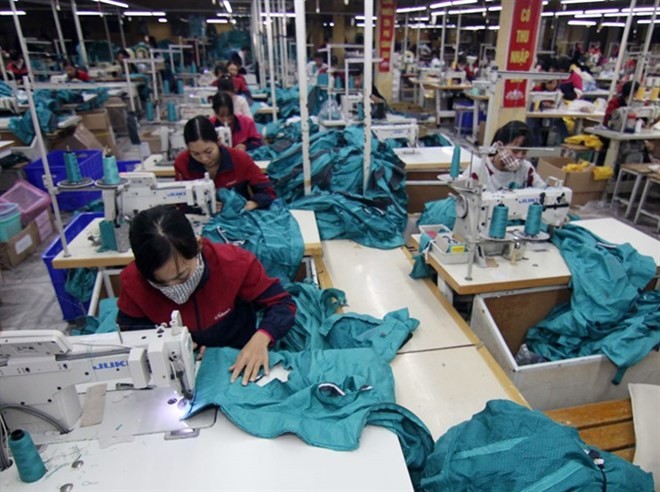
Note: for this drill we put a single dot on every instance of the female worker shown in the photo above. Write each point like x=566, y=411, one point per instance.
x=241, y=106
x=217, y=288
x=227, y=167
x=74, y=73
x=506, y=167
x=240, y=84
x=244, y=133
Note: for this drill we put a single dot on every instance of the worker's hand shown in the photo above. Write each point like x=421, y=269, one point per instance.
x=218, y=206
x=251, y=205
x=241, y=147
x=200, y=353
x=253, y=357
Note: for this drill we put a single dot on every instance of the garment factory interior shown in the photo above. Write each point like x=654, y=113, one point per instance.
x=441, y=219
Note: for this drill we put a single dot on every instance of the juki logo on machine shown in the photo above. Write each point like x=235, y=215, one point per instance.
x=115, y=364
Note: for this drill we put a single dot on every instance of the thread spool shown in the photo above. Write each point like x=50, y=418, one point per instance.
x=72, y=168
x=533, y=220
x=171, y=111
x=193, y=67
x=149, y=107
x=28, y=461
x=179, y=86
x=498, y=223
x=166, y=86
x=455, y=168
x=110, y=170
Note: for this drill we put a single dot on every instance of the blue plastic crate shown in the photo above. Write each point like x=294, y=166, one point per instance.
x=127, y=166
x=91, y=166
x=71, y=307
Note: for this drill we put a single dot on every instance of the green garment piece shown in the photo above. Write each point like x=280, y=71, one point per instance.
x=439, y=212
x=607, y=314
x=329, y=397
x=420, y=268
x=507, y=447
x=313, y=307
x=80, y=283
x=273, y=235
x=105, y=322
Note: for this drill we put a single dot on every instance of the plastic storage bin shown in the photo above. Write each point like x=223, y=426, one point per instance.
x=10, y=221
x=31, y=200
x=71, y=307
x=127, y=166
x=91, y=166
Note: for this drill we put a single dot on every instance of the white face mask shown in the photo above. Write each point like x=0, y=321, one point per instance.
x=510, y=162
x=180, y=293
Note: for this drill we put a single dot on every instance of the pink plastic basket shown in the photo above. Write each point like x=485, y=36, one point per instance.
x=31, y=200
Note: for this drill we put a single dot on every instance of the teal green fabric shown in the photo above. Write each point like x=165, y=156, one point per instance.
x=80, y=283
x=439, y=212
x=272, y=234
x=105, y=322
x=420, y=268
x=507, y=447
x=329, y=397
x=313, y=307
x=607, y=313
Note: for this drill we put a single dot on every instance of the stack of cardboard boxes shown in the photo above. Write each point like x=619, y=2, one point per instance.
x=585, y=188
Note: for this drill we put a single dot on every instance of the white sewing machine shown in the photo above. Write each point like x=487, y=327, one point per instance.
x=475, y=208
x=141, y=190
x=349, y=104
x=224, y=135
x=409, y=131
x=537, y=97
x=39, y=369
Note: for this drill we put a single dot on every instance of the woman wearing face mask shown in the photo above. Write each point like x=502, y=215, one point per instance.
x=227, y=167
x=244, y=133
x=217, y=288
x=506, y=167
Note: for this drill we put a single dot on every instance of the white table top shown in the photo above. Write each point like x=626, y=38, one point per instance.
x=376, y=282
x=613, y=135
x=617, y=232
x=446, y=387
x=5, y=143
x=539, y=268
x=85, y=255
x=430, y=158
x=562, y=113
x=221, y=458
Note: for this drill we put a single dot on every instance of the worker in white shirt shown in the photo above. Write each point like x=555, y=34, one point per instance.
x=241, y=105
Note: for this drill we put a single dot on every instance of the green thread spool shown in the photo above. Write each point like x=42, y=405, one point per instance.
x=108, y=239
x=110, y=170
x=28, y=461
x=455, y=168
x=72, y=168
x=498, y=223
x=533, y=220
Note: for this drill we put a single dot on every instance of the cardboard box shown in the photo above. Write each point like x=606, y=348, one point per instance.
x=80, y=139
x=19, y=247
x=96, y=120
x=501, y=320
x=107, y=139
x=152, y=139
x=585, y=188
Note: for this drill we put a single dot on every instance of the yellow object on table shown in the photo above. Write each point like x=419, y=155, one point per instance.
x=602, y=173
x=576, y=167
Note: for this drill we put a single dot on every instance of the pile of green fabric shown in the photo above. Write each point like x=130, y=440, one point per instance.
x=508, y=447
x=608, y=313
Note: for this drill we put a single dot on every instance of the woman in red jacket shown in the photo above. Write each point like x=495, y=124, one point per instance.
x=227, y=167
x=217, y=288
x=240, y=84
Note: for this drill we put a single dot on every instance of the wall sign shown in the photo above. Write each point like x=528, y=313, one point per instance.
x=386, y=19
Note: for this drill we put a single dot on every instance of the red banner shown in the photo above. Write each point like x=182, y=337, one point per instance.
x=386, y=19
x=522, y=47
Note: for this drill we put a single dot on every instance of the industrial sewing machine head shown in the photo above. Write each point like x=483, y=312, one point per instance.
x=39, y=369
x=538, y=97
x=349, y=104
x=224, y=135
x=483, y=217
x=140, y=191
x=408, y=129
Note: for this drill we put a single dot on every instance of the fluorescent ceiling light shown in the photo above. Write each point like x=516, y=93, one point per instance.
x=227, y=5
x=493, y=28
x=162, y=20
x=547, y=14
x=361, y=17
x=494, y=9
x=288, y=14
x=569, y=2
x=9, y=12
x=568, y=12
x=222, y=14
x=410, y=9
x=648, y=21
x=613, y=24
x=113, y=2
x=467, y=11
x=143, y=13
x=454, y=3
x=217, y=21
x=82, y=13
x=581, y=23
x=473, y=28
x=421, y=19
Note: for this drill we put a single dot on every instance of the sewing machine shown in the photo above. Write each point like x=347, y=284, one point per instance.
x=409, y=131
x=349, y=103
x=475, y=208
x=140, y=191
x=39, y=369
x=538, y=97
x=224, y=135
